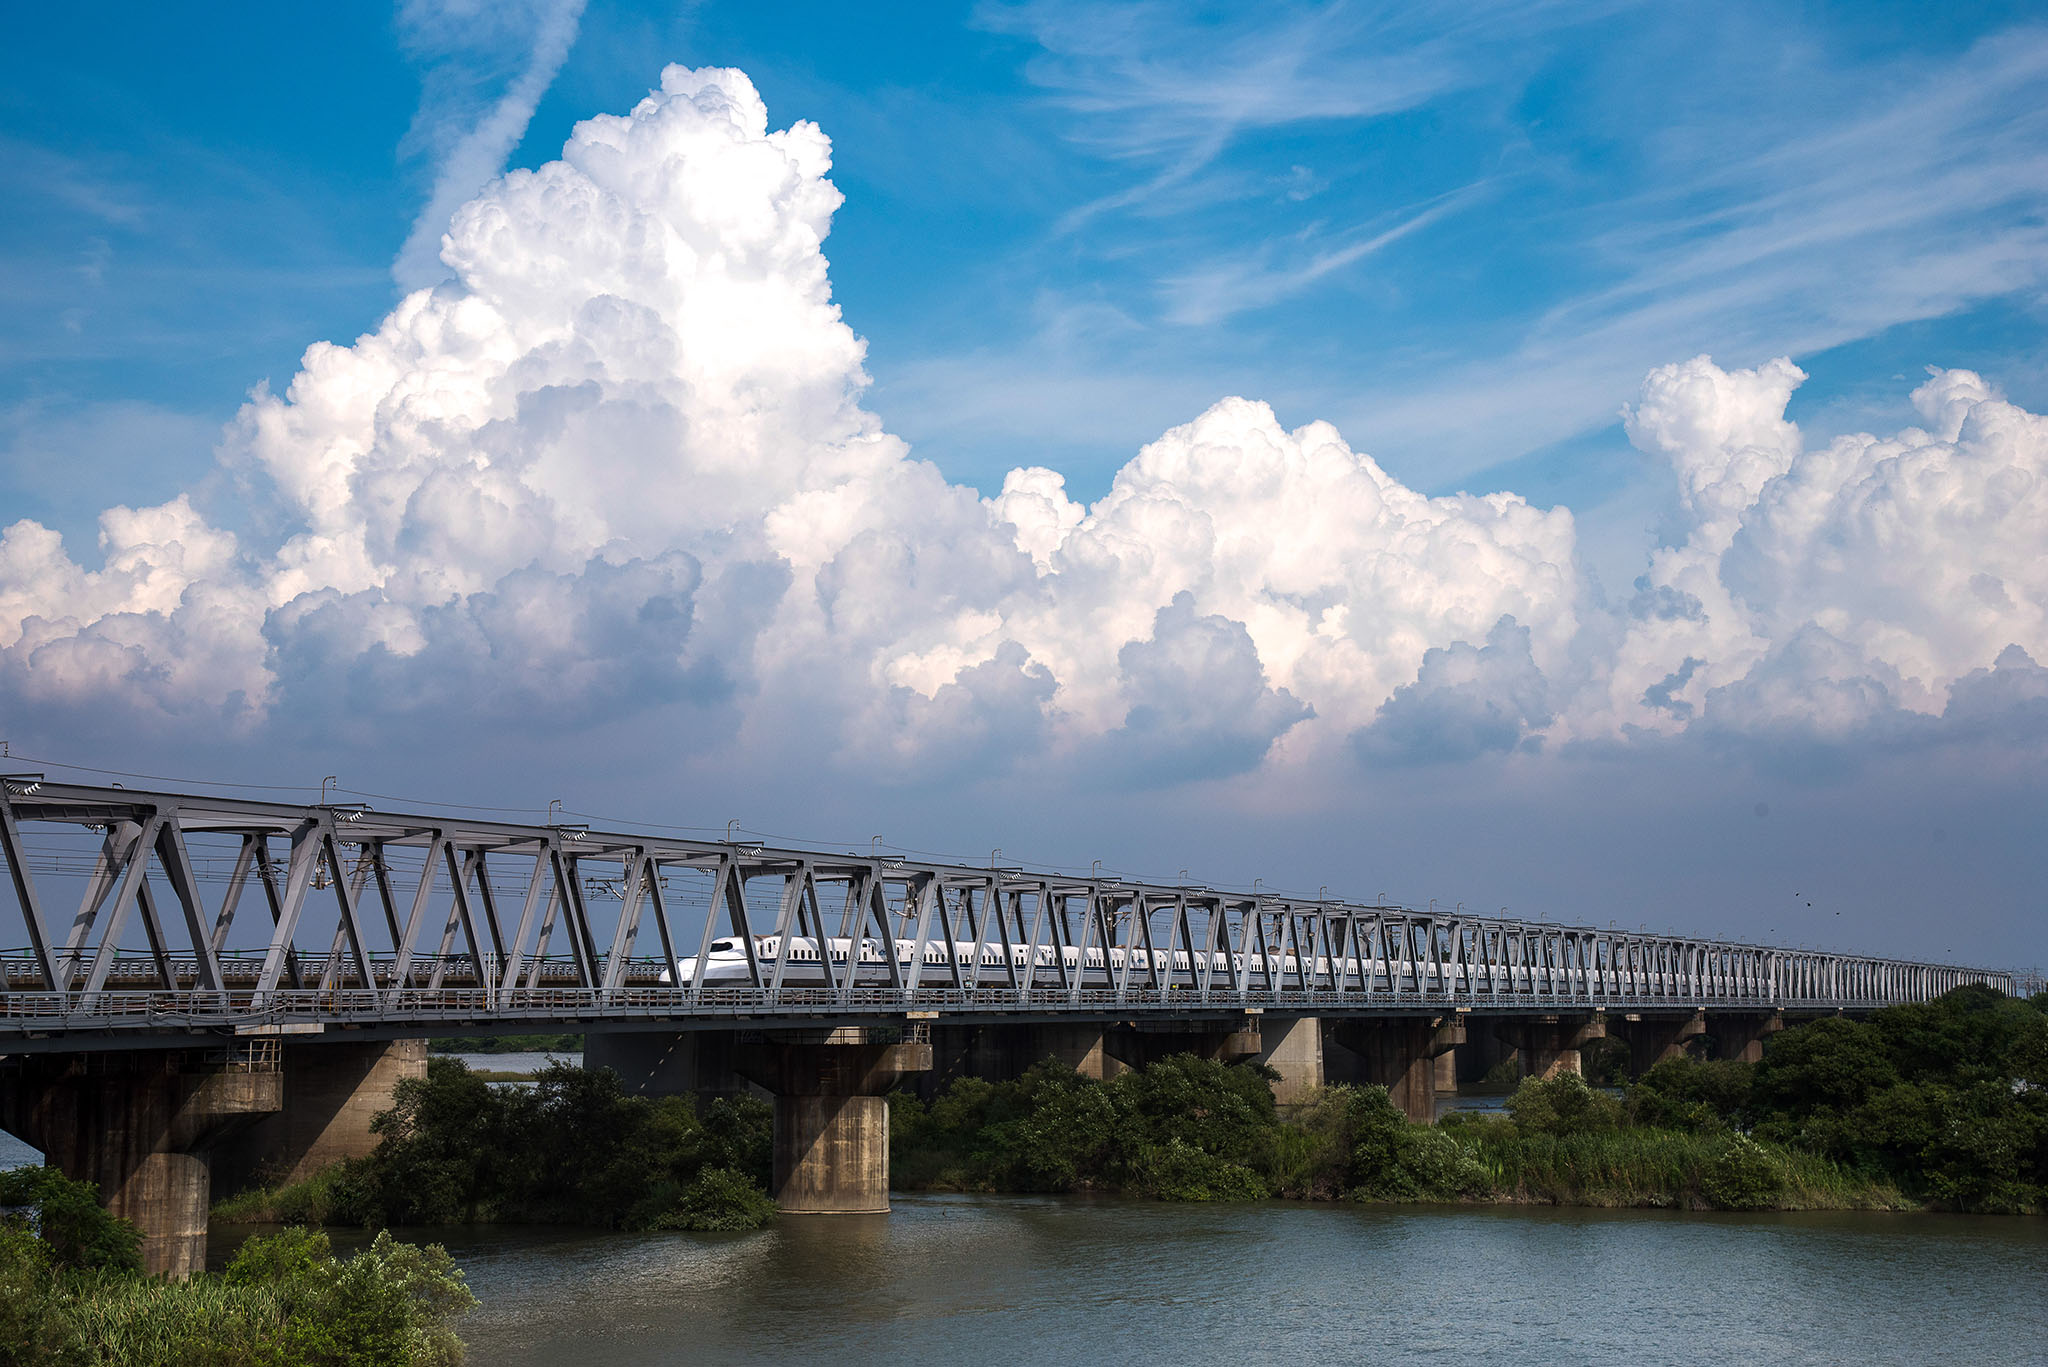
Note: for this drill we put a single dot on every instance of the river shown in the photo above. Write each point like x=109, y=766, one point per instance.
x=1062, y=1280
x=1059, y=1280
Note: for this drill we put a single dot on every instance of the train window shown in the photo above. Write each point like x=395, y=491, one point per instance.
x=721, y=946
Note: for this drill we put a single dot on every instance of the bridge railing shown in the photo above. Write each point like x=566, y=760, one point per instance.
x=565, y=1007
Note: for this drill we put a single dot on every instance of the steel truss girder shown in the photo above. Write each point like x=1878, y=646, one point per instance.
x=909, y=933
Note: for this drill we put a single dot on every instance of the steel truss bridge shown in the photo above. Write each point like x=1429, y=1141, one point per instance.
x=403, y=924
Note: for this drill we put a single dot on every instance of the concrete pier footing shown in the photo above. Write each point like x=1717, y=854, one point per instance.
x=331, y=1093
x=1740, y=1036
x=831, y=1114
x=832, y=1155
x=1399, y=1053
x=1550, y=1045
x=1292, y=1046
x=830, y=1090
x=140, y=1124
x=1652, y=1039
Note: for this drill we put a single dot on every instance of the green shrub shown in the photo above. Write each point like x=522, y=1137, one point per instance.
x=720, y=1199
x=1180, y=1171
x=70, y=1221
x=29, y=1330
x=390, y=1303
x=342, y=1193
x=1393, y=1160
x=1685, y=1093
x=284, y=1301
x=1315, y=1156
x=1742, y=1176
x=292, y=1256
x=1562, y=1105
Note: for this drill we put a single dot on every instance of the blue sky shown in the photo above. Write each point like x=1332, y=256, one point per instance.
x=1462, y=234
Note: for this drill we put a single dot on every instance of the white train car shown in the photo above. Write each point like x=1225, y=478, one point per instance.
x=725, y=966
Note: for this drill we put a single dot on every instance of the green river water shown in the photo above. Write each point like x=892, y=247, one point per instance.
x=1024, y=1280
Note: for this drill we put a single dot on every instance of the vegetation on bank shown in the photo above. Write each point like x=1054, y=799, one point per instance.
x=1055, y=1131
x=1943, y=1104
x=571, y=1149
x=72, y=1295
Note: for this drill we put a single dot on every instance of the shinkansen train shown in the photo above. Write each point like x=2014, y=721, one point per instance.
x=726, y=966
x=727, y=962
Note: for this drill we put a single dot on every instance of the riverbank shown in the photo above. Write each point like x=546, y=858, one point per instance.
x=571, y=1148
x=1942, y=1106
x=1186, y=1129
x=72, y=1294
x=1189, y=1129
x=1939, y=1106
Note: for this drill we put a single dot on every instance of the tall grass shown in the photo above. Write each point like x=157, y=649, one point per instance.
x=139, y=1322
x=321, y=1199
x=1669, y=1168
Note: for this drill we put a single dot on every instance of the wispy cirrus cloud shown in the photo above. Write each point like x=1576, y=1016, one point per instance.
x=1168, y=91
x=1653, y=186
x=1218, y=290
x=468, y=50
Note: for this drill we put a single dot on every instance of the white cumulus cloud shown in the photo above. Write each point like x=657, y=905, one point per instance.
x=1822, y=588
x=620, y=460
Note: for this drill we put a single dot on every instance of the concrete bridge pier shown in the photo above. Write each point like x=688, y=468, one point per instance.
x=1399, y=1053
x=1143, y=1042
x=1479, y=1055
x=1652, y=1039
x=1081, y=1047
x=1740, y=1036
x=1550, y=1045
x=330, y=1093
x=999, y=1053
x=831, y=1114
x=139, y=1123
x=1292, y=1046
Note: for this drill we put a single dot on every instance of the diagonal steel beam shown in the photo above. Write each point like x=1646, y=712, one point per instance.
x=176, y=862
x=135, y=844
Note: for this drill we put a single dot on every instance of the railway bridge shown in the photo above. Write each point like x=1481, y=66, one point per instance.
x=240, y=983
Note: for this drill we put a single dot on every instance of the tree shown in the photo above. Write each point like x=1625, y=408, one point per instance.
x=1834, y=1064
x=69, y=1220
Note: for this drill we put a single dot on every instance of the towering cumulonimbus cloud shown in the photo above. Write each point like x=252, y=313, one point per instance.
x=620, y=460
x=1830, y=590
